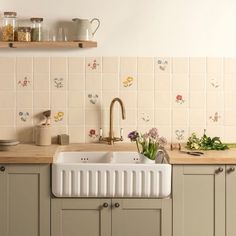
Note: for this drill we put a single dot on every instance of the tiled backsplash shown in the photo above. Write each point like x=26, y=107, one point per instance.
x=176, y=95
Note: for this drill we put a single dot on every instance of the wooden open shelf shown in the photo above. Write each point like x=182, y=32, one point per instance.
x=49, y=44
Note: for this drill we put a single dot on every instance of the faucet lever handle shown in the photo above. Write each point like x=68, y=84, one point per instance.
x=121, y=133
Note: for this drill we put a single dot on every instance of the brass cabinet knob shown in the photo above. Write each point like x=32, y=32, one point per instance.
x=231, y=169
x=117, y=204
x=2, y=168
x=219, y=170
x=105, y=205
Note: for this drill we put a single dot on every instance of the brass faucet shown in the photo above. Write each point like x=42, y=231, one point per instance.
x=111, y=139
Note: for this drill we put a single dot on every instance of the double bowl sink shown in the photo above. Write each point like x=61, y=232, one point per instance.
x=109, y=174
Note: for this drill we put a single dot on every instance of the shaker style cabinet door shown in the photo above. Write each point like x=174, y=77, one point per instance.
x=230, y=200
x=82, y=217
x=141, y=217
x=25, y=200
x=199, y=200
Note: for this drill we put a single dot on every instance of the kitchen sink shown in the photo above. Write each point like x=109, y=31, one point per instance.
x=109, y=174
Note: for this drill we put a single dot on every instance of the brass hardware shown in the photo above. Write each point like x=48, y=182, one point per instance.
x=2, y=168
x=231, y=169
x=105, y=205
x=111, y=139
x=219, y=170
x=117, y=205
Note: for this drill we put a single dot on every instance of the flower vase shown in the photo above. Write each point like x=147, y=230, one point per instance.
x=146, y=160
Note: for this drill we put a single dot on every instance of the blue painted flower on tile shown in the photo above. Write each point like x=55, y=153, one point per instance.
x=145, y=117
x=215, y=117
x=58, y=82
x=23, y=116
x=179, y=134
x=93, y=98
x=162, y=63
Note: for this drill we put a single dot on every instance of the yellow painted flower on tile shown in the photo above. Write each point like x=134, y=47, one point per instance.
x=59, y=116
x=128, y=81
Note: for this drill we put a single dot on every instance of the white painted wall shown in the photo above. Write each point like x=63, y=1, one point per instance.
x=143, y=27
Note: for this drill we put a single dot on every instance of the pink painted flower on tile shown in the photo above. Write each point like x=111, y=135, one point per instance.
x=215, y=117
x=179, y=99
x=93, y=65
x=93, y=134
x=24, y=82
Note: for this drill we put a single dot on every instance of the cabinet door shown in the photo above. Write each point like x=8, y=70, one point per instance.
x=198, y=200
x=83, y=217
x=139, y=217
x=230, y=200
x=25, y=199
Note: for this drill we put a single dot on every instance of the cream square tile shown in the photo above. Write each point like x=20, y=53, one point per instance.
x=76, y=99
x=93, y=99
x=129, y=98
x=59, y=117
x=229, y=134
x=180, y=82
x=58, y=65
x=179, y=134
x=76, y=117
x=76, y=65
x=180, y=65
x=76, y=81
x=58, y=99
x=41, y=65
x=197, y=100
x=107, y=97
x=92, y=134
x=229, y=65
x=24, y=81
x=163, y=65
x=180, y=99
x=230, y=82
x=215, y=100
x=7, y=65
x=131, y=118
x=197, y=65
x=214, y=117
x=214, y=82
x=110, y=65
x=8, y=133
x=145, y=81
x=93, y=65
x=25, y=134
x=24, y=99
x=197, y=82
x=7, y=117
x=163, y=82
x=24, y=117
x=105, y=117
x=58, y=81
x=7, y=81
x=128, y=65
x=24, y=65
x=230, y=117
x=163, y=99
x=214, y=65
x=110, y=81
x=93, y=81
x=146, y=118
x=7, y=99
x=128, y=82
x=93, y=117
x=197, y=117
x=145, y=99
x=180, y=117
x=41, y=99
x=77, y=134
x=163, y=117
x=41, y=82
x=229, y=100
x=145, y=65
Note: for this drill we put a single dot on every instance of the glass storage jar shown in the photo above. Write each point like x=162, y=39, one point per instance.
x=24, y=34
x=8, y=29
x=36, y=31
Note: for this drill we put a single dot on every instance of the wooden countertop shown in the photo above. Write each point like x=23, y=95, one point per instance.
x=32, y=154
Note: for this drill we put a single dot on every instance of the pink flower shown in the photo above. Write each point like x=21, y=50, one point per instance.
x=162, y=141
x=92, y=132
x=153, y=133
x=179, y=97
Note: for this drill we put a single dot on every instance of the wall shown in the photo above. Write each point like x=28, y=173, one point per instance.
x=144, y=27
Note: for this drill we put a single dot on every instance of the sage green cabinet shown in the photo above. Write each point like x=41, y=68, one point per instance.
x=111, y=217
x=204, y=200
x=24, y=200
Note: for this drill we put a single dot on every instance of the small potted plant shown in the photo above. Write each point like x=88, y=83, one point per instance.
x=148, y=144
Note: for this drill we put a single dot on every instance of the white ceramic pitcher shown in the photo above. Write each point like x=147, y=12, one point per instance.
x=84, y=28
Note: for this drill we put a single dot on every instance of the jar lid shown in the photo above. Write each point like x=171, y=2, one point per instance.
x=36, y=19
x=10, y=14
x=25, y=29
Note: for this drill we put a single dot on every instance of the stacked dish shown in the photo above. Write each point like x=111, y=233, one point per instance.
x=5, y=144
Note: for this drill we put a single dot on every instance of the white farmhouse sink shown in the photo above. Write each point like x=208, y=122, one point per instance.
x=108, y=174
